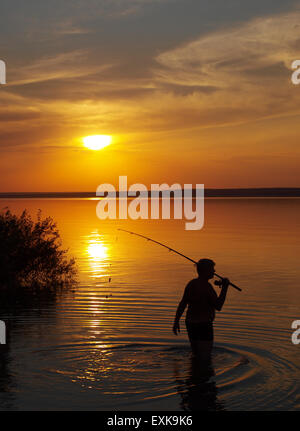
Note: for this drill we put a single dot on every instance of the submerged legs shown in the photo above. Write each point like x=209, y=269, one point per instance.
x=202, y=349
x=201, y=338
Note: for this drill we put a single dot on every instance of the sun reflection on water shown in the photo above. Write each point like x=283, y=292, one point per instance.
x=98, y=254
x=97, y=251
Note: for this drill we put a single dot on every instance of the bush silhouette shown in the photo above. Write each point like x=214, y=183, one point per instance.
x=31, y=258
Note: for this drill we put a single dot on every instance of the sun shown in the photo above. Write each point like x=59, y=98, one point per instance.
x=96, y=142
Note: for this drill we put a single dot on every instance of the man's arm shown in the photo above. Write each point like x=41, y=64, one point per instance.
x=219, y=300
x=180, y=309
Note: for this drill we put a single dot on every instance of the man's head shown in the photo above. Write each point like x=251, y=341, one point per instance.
x=206, y=268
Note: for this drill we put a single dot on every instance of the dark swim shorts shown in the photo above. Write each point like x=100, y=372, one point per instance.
x=200, y=331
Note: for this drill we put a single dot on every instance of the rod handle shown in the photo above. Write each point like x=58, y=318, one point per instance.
x=230, y=284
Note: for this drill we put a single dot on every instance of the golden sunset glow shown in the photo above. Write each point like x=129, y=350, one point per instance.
x=171, y=111
x=97, y=142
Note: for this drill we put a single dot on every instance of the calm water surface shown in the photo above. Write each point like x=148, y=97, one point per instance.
x=109, y=344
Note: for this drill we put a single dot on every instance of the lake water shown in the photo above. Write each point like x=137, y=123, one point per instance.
x=109, y=344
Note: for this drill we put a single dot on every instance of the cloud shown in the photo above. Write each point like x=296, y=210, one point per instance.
x=65, y=65
x=248, y=66
x=185, y=90
x=70, y=28
x=124, y=8
x=262, y=41
x=16, y=116
x=228, y=77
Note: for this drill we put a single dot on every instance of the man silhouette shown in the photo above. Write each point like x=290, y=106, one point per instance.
x=202, y=302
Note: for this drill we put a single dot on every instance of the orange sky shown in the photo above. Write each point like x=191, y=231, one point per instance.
x=213, y=106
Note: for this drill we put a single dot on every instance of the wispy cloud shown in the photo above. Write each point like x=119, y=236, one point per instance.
x=227, y=77
x=65, y=65
x=248, y=65
x=123, y=8
x=70, y=28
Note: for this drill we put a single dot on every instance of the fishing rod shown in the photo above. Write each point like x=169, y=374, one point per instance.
x=177, y=252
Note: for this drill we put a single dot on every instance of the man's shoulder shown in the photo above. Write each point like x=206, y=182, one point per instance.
x=192, y=282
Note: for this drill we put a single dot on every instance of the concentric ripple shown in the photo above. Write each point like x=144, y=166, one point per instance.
x=147, y=376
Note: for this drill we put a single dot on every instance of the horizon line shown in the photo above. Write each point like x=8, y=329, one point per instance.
x=209, y=192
